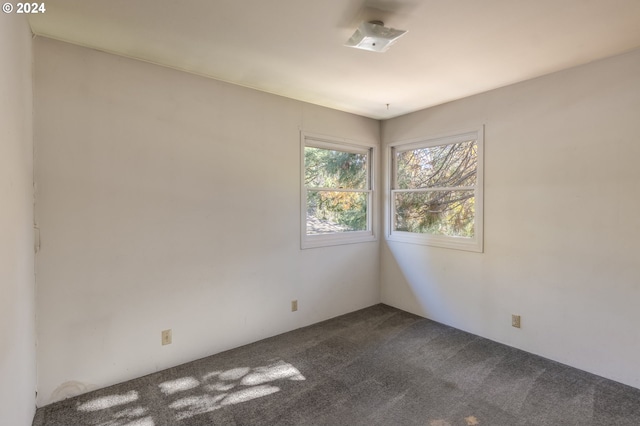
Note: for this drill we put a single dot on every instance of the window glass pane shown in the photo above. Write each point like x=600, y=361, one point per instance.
x=449, y=213
x=329, y=212
x=437, y=166
x=326, y=168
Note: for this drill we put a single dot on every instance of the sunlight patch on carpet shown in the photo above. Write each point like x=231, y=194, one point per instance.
x=178, y=385
x=247, y=384
x=249, y=394
x=277, y=371
x=105, y=402
x=146, y=421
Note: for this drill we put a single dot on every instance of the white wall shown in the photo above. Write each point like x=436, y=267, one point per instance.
x=17, y=300
x=562, y=202
x=167, y=200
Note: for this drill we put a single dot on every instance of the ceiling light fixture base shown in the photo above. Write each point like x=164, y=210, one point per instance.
x=374, y=36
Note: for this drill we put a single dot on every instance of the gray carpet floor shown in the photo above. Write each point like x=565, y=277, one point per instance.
x=377, y=366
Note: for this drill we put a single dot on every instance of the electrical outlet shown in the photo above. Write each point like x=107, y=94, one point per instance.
x=166, y=337
x=515, y=321
x=294, y=305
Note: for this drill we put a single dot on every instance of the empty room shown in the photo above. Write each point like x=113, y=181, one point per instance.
x=297, y=212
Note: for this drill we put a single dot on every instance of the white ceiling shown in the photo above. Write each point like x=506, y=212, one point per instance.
x=294, y=48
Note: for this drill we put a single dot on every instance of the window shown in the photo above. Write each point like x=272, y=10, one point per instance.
x=336, y=192
x=436, y=191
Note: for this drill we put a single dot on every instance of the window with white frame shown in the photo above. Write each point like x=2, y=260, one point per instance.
x=337, y=192
x=437, y=191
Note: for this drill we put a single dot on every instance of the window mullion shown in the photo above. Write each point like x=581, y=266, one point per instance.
x=437, y=188
x=311, y=188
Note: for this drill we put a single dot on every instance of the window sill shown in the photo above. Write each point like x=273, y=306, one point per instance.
x=456, y=243
x=325, y=240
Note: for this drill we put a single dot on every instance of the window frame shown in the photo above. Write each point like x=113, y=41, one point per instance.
x=337, y=238
x=475, y=244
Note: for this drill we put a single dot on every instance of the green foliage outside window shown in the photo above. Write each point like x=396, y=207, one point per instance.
x=337, y=197
x=435, y=189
